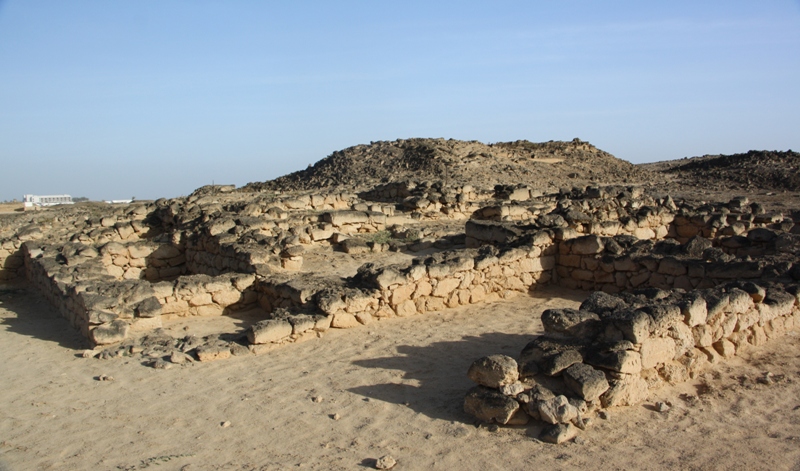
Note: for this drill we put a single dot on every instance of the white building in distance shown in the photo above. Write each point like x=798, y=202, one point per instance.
x=45, y=200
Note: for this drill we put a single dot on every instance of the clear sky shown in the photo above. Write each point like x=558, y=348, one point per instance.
x=113, y=99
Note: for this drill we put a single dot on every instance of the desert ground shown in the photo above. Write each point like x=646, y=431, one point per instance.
x=395, y=386
x=353, y=396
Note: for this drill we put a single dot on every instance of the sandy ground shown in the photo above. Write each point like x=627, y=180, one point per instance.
x=10, y=208
x=394, y=387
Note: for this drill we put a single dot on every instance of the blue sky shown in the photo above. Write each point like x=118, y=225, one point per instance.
x=113, y=99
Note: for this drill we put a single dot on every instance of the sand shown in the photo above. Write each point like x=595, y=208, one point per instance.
x=340, y=402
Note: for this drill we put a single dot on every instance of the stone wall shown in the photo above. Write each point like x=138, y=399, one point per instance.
x=615, y=350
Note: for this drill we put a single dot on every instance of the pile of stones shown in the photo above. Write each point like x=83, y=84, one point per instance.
x=616, y=349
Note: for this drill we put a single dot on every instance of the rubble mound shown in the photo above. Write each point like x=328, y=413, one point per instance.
x=460, y=162
x=773, y=170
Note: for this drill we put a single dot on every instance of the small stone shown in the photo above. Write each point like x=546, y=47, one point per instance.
x=160, y=364
x=179, y=358
x=385, y=462
x=105, y=378
x=335, y=416
x=662, y=406
x=493, y=428
x=316, y=399
x=90, y=353
x=604, y=415
x=558, y=433
x=767, y=379
x=225, y=424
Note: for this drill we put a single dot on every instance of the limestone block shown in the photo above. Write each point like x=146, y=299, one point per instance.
x=490, y=405
x=434, y=304
x=725, y=347
x=494, y=371
x=703, y=335
x=587, y=245
x=555, y=364
x=621, y=361
x=200, y=299
x=477, y=294
x=585, y=381
x=424, y=288
x=341, y=218
x=226, y=297
x=406, y=308
x=402, y=293
x=694, y=310
x=175, y=307
x=132, y=273
x=389, y=277
x=570, y=322
x=569, y=260
x=672, y=267
x=344, y=320
x=213, y=352
x=113, y=332
x=656, y=351
x=446, y=286
x=557, y=410
x=628, y=390
x=270, y=330
x=682, y=335
x=635, y=325
x=558, y=433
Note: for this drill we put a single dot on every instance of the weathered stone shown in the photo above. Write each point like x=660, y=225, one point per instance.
x=587, y=245
x=490, y=405
x=344, y=320
x=628, y=390
x=725, y=347
x=621, y=361
x=570, y=322
x=694, y=309
x=385, y=462
x=406, y=308
x=270, y=330
x=494, y=371
x=552, y=365
x=656, y=351
x=635, y=325
x=585, y=381
x=213, y=352
x=558, y=433
x=341, y=218
x=113, y=332
x=557, y=410
x=446, y=286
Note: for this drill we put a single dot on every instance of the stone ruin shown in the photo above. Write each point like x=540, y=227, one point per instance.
x=676, y=286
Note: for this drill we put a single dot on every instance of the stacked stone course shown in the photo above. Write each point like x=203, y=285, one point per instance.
x=616, y=349
x=192, y=254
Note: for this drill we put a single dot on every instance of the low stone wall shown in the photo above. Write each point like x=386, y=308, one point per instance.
x=619, y=264
x=615, y=350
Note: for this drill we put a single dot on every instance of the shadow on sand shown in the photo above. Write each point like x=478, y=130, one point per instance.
x=434, y=378
x=36, y=318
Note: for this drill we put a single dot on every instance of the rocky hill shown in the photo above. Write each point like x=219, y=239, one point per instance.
x=545, y=165
x=756, y=169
